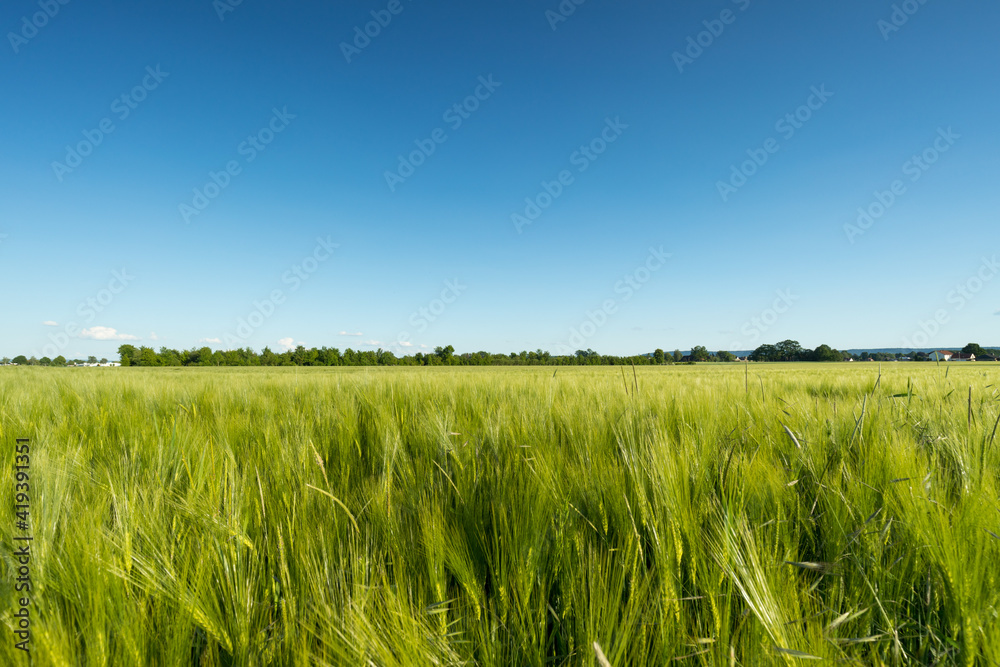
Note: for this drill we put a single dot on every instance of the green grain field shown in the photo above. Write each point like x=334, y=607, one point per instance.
x=689, y=515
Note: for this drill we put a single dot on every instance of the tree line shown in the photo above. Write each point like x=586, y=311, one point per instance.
x=21, y=360
x=331, y=356
x=787, y=350
x=791, y=350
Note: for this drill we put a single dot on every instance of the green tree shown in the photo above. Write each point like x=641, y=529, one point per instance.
x=826, y=353
x=723, y=355
x=699, y=353
x=445, y=354
x=658, y=356
x=678, y=356
x=59, y=361
x=204, y=357
x=973, y=348
x=789, y=350
x=128, y=355
x=20, y=360
x=45, y=361
x=765, y=352
x=169, y=357
x=147, y=357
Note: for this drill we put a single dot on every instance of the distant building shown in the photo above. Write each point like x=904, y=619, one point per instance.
x=941, y=355
x=958, y=356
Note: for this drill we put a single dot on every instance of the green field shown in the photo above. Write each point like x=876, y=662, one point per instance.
x=506, y=516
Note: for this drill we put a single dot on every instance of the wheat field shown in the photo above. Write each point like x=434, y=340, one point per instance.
x=709, y=515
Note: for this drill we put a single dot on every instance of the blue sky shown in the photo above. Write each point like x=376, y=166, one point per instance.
x=629, y=126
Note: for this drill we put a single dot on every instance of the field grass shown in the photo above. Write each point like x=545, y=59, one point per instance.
x=507, y=516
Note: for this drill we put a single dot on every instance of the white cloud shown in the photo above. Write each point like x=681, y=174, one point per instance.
x=405, y=343
x=373, y=343
x=153, y=336
x=347, y=333
x=50, y=323
x=289, y=343
x=210, y=340
x=105, y=333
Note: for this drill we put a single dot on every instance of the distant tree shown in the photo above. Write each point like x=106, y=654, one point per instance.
x=91, y=359
x=128, y=355
x=204, y=357
x=723, y=355
x=789, y=350
x=973, y=348
x=104, y=360
x=678, y=356
x=169, y=357
x=20, y=360
x=147, y=357
x=59, y=361
x=5, y=361
x=32, y=361
x=329, y=356
x=45, y=361
x=826, y=353
x=699, y=353
x=658, y=356
x=765, y=352
x=445, y=354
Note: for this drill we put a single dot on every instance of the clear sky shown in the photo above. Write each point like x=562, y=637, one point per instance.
x=498, y=175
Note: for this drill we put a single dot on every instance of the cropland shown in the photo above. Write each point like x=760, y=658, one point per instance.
x=716, y=514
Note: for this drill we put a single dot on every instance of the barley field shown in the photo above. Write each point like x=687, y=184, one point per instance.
x=690, y=515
